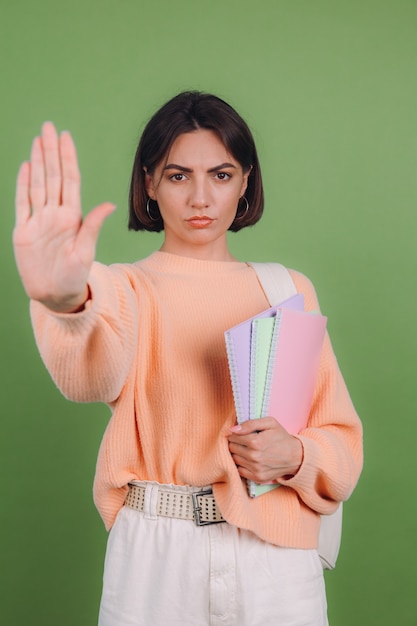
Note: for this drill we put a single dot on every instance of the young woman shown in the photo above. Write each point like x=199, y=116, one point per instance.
x=148, y=339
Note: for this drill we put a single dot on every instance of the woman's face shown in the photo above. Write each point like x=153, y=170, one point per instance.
x=197, y=188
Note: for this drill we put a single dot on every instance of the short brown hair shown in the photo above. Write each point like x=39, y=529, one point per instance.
x=187, y=112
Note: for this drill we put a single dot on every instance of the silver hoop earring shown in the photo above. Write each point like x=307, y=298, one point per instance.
x=239, y=217
x=148, y=211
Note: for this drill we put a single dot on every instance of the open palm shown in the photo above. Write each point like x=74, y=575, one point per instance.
x=54, y=246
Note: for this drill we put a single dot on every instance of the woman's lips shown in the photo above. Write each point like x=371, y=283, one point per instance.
x=200, y=221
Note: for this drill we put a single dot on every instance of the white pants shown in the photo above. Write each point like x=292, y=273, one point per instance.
x=168, y=572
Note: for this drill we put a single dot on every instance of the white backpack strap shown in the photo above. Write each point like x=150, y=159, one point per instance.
x=275, y=280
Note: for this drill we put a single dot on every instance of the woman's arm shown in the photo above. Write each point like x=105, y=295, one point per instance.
x=82, y=315
x=89, y=353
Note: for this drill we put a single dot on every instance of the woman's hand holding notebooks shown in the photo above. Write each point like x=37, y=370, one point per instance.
x=273, y=360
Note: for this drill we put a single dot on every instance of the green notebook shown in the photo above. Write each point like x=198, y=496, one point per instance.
x=261, y=341
x=263, y=331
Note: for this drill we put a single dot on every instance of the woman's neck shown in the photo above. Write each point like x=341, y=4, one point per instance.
x=200, y=252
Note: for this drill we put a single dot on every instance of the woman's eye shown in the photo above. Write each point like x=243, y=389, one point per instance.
x=223, y=176
x=178, y=177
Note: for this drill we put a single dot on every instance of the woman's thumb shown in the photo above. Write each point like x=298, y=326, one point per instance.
x=92, y=224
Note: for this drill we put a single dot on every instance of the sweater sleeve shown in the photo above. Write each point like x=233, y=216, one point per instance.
x=89, y=354
x=332, y=441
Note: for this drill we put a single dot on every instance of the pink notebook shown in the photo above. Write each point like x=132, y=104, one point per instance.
x=293, y=367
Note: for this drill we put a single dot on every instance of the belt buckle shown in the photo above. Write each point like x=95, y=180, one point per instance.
x=197, y=509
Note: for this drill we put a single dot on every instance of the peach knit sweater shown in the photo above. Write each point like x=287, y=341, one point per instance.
x=150, y=343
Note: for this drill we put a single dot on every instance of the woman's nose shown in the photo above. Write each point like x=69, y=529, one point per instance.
x=200, y=195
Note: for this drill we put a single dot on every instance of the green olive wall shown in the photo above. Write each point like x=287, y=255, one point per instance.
x=330, y=92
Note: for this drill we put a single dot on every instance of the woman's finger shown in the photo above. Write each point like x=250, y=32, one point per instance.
x=255, y=426
x=37, y=176
x=70, y=172
x=52, y=164
x=22, y=194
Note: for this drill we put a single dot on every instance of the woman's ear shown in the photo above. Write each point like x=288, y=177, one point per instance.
x=245, y=181
x=149, y=185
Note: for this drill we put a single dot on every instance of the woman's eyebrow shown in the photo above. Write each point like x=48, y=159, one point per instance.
x=222, y=166
x=174, y=166
x=181, y=168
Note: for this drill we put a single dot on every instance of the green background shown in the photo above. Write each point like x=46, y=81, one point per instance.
x=329, y=89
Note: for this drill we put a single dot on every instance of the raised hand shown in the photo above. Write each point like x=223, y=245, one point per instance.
x=54, y=246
